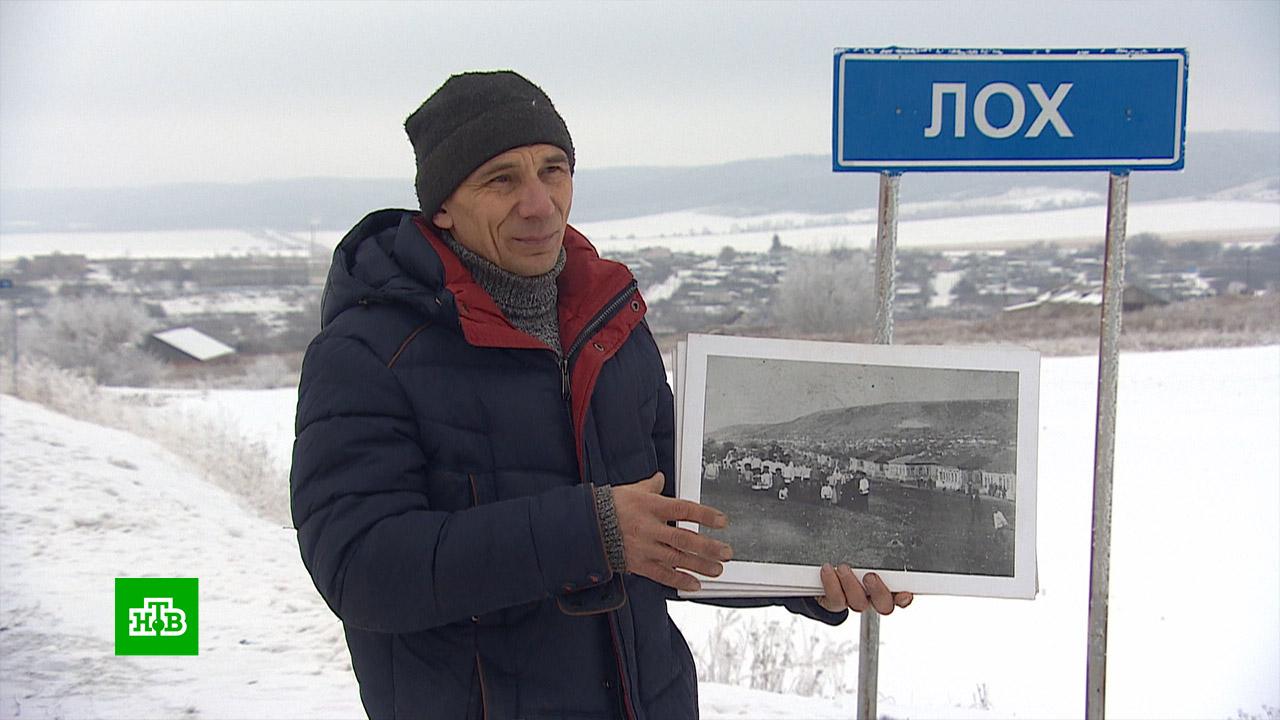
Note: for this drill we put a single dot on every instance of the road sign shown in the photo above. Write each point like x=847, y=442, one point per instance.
x=898, y=109
x=5, y=283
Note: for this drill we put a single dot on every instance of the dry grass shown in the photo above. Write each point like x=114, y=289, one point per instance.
x=222, y=455
x=1212, y=322
x=241, y=372
x=1229, y=321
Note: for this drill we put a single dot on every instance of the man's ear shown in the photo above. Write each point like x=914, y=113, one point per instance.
x=442, y=219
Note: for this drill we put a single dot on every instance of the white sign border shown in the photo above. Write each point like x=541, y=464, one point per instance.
x=975, y=163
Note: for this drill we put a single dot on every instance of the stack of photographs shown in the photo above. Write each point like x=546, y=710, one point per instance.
x=915, y=462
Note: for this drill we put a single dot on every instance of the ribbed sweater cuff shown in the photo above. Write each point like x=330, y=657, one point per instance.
x=609, y=527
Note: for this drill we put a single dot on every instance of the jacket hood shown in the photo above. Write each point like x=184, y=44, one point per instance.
x=385, y=258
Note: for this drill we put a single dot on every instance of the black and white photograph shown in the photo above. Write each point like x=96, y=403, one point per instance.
x=916, y=462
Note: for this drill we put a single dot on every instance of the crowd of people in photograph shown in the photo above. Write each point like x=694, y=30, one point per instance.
x=977, y=500
x=788, y=481
x=846, y=482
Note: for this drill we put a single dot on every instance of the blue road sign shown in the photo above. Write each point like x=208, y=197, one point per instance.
x=5, y=283
x=946, y=109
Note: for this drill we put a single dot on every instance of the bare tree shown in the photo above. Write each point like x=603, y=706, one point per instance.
x=830, y=293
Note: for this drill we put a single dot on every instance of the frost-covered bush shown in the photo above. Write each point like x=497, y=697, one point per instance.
x=831, y=293
x=1269, y=712
x=265, y=371
x=791, y=657
x=241, y=465
x=100, y=335
x=69, y=391
x=223, y=456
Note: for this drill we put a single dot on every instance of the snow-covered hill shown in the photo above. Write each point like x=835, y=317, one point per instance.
x=921, y=227
x=81, y=505
x=1194, y=623
x=1032, y=215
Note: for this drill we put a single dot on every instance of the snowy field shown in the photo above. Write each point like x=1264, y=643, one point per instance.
x=1194, y=623
x=157, y=244
x=255, y=302
x=684, y=232
x=1023, y=217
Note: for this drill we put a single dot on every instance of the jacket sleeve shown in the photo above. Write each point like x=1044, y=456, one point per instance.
x=383, y=559
x=664, y=440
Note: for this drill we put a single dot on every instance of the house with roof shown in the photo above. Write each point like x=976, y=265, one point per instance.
x=187, y=345
x=1088, y=295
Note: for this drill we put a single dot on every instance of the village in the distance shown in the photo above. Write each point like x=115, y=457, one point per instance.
x=265, y=305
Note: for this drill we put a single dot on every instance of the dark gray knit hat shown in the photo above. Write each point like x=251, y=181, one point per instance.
x=472, y=118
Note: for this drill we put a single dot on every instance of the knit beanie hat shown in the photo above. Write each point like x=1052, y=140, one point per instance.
x=472, y=118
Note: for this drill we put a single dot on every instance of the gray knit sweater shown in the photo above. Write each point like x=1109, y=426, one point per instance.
x=528, y=302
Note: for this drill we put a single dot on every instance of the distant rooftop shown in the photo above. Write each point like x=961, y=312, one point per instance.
x=192, y=342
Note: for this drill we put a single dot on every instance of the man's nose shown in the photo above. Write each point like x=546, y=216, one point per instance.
x=535, y=199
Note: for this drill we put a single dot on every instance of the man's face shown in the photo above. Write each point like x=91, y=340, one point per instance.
x=513, y=209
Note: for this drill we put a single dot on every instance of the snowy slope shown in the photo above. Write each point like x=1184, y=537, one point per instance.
x=1194, y=623
x=260, y=414
x=81, y=505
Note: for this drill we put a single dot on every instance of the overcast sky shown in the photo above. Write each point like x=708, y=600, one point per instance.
x=108, y=94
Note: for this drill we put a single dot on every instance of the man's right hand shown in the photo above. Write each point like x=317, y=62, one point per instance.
x=659, y=551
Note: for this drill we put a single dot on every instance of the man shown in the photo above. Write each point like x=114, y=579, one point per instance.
x=862, y=499
x=828, y=492
x=484, y=458
x=712, y=471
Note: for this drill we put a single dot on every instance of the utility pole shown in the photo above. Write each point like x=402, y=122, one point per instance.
x=7, y=288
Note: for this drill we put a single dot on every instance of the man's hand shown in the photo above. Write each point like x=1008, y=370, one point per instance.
x=659, y=551
x=844, y=591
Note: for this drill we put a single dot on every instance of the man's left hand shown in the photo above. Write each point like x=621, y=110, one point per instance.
x=843, y=590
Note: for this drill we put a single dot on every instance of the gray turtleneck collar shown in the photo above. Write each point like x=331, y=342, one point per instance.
x=528, y=302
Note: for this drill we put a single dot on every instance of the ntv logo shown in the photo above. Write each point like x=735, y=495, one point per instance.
x=157, y=616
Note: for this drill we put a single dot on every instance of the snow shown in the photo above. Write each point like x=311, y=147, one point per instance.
x=226, y=302
x=259, y=414
x=1264, y=189
x=1022, y=199
x=154, y=244
x=667, y=288
x=1020, y=216
x=1194, y=624
x=944, y=283
x=82, y=505
x=1171, y=219
x=728, y=702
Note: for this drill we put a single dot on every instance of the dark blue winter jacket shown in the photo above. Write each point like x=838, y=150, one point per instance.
x=441, y=488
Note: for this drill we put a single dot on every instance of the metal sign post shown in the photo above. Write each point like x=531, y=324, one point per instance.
x=898, y=109
x=886, y=254
x=1105, y=442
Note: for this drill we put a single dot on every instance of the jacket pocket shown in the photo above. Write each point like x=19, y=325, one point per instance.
x=452, y=490
x=483, y=488
x=477, y=705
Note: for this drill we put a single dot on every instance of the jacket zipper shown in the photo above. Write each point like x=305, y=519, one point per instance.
x=605, y=315
x=601, y=318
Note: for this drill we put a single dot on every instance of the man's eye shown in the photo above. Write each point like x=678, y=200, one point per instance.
x=499, y=179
